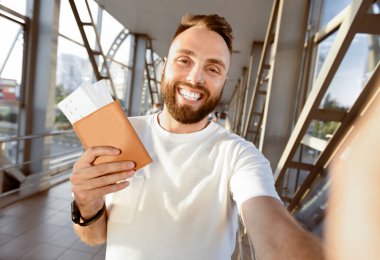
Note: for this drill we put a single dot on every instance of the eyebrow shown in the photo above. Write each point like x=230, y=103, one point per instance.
x=213, y=61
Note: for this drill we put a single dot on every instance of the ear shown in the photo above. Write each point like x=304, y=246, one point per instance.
x=163, y=67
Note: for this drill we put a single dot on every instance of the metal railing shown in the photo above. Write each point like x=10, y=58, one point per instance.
x=57, y=166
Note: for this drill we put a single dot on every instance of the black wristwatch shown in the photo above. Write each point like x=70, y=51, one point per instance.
x=77, y=218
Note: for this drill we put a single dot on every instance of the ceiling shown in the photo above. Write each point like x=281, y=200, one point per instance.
x=159, y=19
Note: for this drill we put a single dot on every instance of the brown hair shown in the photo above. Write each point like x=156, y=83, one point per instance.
x=211, y=22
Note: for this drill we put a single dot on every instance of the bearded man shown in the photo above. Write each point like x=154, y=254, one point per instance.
x=186, y=204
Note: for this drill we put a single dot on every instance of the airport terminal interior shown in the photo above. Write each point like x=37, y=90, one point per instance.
x=303, y=87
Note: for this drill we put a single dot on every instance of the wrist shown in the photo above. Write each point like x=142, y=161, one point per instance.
x=85, y=219
x=88, y=209
x=88, y=212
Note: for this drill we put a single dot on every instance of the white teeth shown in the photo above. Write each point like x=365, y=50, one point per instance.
x=192, y=96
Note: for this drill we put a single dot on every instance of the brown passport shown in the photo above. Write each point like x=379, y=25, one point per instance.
x=108, y=126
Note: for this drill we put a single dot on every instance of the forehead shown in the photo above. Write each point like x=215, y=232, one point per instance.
x=205, y=44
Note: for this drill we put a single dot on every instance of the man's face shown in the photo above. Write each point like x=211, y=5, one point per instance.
x=194, y=74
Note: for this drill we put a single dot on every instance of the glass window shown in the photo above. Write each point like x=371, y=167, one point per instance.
x=293, y=179
x=11, y=50
x=67, y=23
x=355, y=69
x=18, y=6
x=124, y=53
x=83, y=12
x=318, y=133
x=73, y=66
x=11, y=63
x=120, y=76
x=322, y=52
x=322, y=129
x=331, y=8
x=375, y=8
x=73, y=70
x=110, y=29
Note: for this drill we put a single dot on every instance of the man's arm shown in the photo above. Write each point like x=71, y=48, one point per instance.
x=91, y=183
x=94, y=234
x=275, y=234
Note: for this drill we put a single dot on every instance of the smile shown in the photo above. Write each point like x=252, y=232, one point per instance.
x=191, y=96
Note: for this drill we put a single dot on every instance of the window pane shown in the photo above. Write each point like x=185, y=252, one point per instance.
x=73, y=66
x=73, y=70
x=121, y=76
x=356, y=67
x=375, y=8
x=110, y=29
x=322, y=129
x=11, y=63
x=18, y=6
x=322, y=51
x=331, y=8
x=67, y=23
x=124, y=54
x=83, y=12
x=11, y=51
x=9, y=112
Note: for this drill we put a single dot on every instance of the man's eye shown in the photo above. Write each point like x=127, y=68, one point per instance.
x=213, y=70
x=183, y=61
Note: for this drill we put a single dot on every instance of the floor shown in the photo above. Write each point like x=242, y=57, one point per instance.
x=40, y=228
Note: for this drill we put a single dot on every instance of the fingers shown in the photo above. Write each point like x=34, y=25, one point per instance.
x=101, y=181
x=90, y=155
x=104, y=169
x=101, y=175
x=88, y=198
x=90, y=183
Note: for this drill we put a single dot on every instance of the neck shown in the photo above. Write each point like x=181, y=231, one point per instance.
x=168, y=123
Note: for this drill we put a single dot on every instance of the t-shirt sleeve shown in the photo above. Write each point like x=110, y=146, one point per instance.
x=251, y=176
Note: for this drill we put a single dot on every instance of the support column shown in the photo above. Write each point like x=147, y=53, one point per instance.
x=37, y=116
x=282, y=86
x=134, y=97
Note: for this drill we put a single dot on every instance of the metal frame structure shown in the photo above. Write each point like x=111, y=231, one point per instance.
x=28, y=171
x=150, y=68
x=103, y=72
x=355, y=21
x=93, y=55
x=261, y=79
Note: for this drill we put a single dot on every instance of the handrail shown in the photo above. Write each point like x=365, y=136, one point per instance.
x=27, y=137
x=7, y=193
x=56, y=172
x=10, y=166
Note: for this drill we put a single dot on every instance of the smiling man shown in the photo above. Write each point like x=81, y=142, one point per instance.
x=194, y=75
x=185, y=205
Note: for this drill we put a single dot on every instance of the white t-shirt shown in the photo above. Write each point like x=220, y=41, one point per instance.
x=185, y=204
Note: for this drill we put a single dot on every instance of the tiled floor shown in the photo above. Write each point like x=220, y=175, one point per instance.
x=40, y=228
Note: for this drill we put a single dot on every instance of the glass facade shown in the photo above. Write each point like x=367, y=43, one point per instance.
x=331, y=8
x=18, y=6
x=353, y=72
x=12, y=44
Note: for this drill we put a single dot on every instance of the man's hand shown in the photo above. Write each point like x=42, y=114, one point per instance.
x=90, y=183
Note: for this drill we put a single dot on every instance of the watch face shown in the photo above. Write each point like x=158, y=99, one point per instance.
x=75, y=214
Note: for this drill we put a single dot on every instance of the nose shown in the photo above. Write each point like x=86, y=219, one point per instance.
x=196, y=76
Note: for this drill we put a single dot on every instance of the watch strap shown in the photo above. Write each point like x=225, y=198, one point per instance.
x=77, y=218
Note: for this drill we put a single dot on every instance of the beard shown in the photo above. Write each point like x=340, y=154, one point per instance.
x=185, y=114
